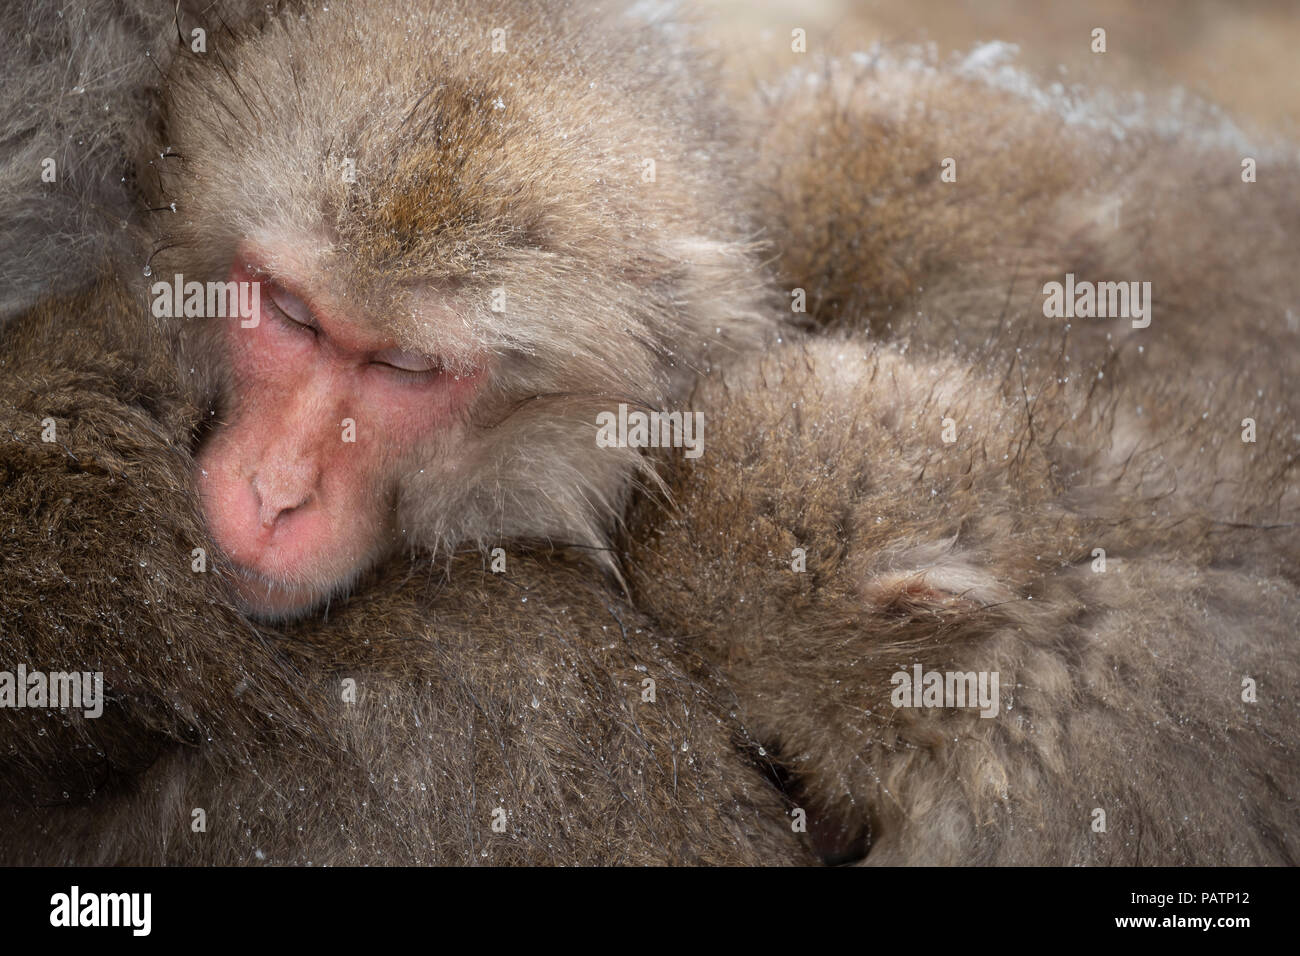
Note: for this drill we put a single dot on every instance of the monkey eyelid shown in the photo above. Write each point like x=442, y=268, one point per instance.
x=404, y=361
x=292, y=307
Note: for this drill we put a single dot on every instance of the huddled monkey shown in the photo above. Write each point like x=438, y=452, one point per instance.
x=473, y=228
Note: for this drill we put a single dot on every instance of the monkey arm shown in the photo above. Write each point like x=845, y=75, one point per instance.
x=460, y=717
x=523, y=717
x=98, y=531
x=830, y=539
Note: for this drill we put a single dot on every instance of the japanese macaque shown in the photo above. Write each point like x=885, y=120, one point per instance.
x=533, y=228
x=472, y=229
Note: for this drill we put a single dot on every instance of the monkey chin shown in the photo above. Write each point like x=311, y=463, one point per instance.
x=266, y=599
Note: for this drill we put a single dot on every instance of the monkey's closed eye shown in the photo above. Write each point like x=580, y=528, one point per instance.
x=290, y=306
x=411, y=364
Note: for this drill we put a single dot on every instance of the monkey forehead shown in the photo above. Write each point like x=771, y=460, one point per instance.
x=470, y=177
x=400, y=128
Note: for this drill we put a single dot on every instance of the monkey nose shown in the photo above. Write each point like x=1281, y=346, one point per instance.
x=282, y=490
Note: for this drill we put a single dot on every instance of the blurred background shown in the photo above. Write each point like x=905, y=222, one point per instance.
x=1243, y=55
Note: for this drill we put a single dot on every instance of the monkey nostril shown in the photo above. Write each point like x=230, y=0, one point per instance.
x=270, y=513
x=281, y=493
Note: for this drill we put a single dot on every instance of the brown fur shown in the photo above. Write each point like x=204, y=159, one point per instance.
x=1047, y=183
x=1118, y=688
x=97, y=531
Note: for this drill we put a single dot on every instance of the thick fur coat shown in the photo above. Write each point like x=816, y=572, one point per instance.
x=524, y=692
